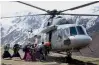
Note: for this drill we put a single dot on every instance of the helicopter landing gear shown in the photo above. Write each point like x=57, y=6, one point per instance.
x=69, y=56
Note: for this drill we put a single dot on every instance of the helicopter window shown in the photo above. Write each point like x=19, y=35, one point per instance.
x=80, y=30
x=73, y=31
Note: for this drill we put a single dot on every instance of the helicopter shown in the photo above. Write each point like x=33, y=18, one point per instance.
x=62, y=35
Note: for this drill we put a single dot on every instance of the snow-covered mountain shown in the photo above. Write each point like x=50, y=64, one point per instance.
x=90, y=23
x=15, y=30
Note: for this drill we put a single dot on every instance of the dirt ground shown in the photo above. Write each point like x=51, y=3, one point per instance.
x=52, y=59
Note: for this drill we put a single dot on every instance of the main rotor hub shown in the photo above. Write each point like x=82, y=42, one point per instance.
x=54, y=12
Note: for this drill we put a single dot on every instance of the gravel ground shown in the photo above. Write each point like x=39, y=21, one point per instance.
x=53, y=59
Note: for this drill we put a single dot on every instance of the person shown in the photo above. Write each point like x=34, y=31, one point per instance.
x=37, y=53
x=33, y=52
x=41, y=51
x=27, y=55
x=42, y=56
x=16, y=51
x=6, y=53
x=47, y=46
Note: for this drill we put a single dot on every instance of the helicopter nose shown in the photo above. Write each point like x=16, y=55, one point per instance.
x=80, y=41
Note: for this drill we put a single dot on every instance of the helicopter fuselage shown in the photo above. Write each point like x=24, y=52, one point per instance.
x=66, y=37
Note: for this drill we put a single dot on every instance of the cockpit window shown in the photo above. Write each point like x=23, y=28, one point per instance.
x=73, y=31
x=80, y=30
x=76, y=30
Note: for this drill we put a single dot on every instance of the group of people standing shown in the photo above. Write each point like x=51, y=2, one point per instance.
x=32, y=52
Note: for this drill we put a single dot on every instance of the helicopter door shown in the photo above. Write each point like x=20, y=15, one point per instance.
x=56, y=39
x=50, y=36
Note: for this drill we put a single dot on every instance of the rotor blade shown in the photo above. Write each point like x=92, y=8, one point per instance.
x=32, y=6
x=81, y=6
x=22, y=16
x=79, y=14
